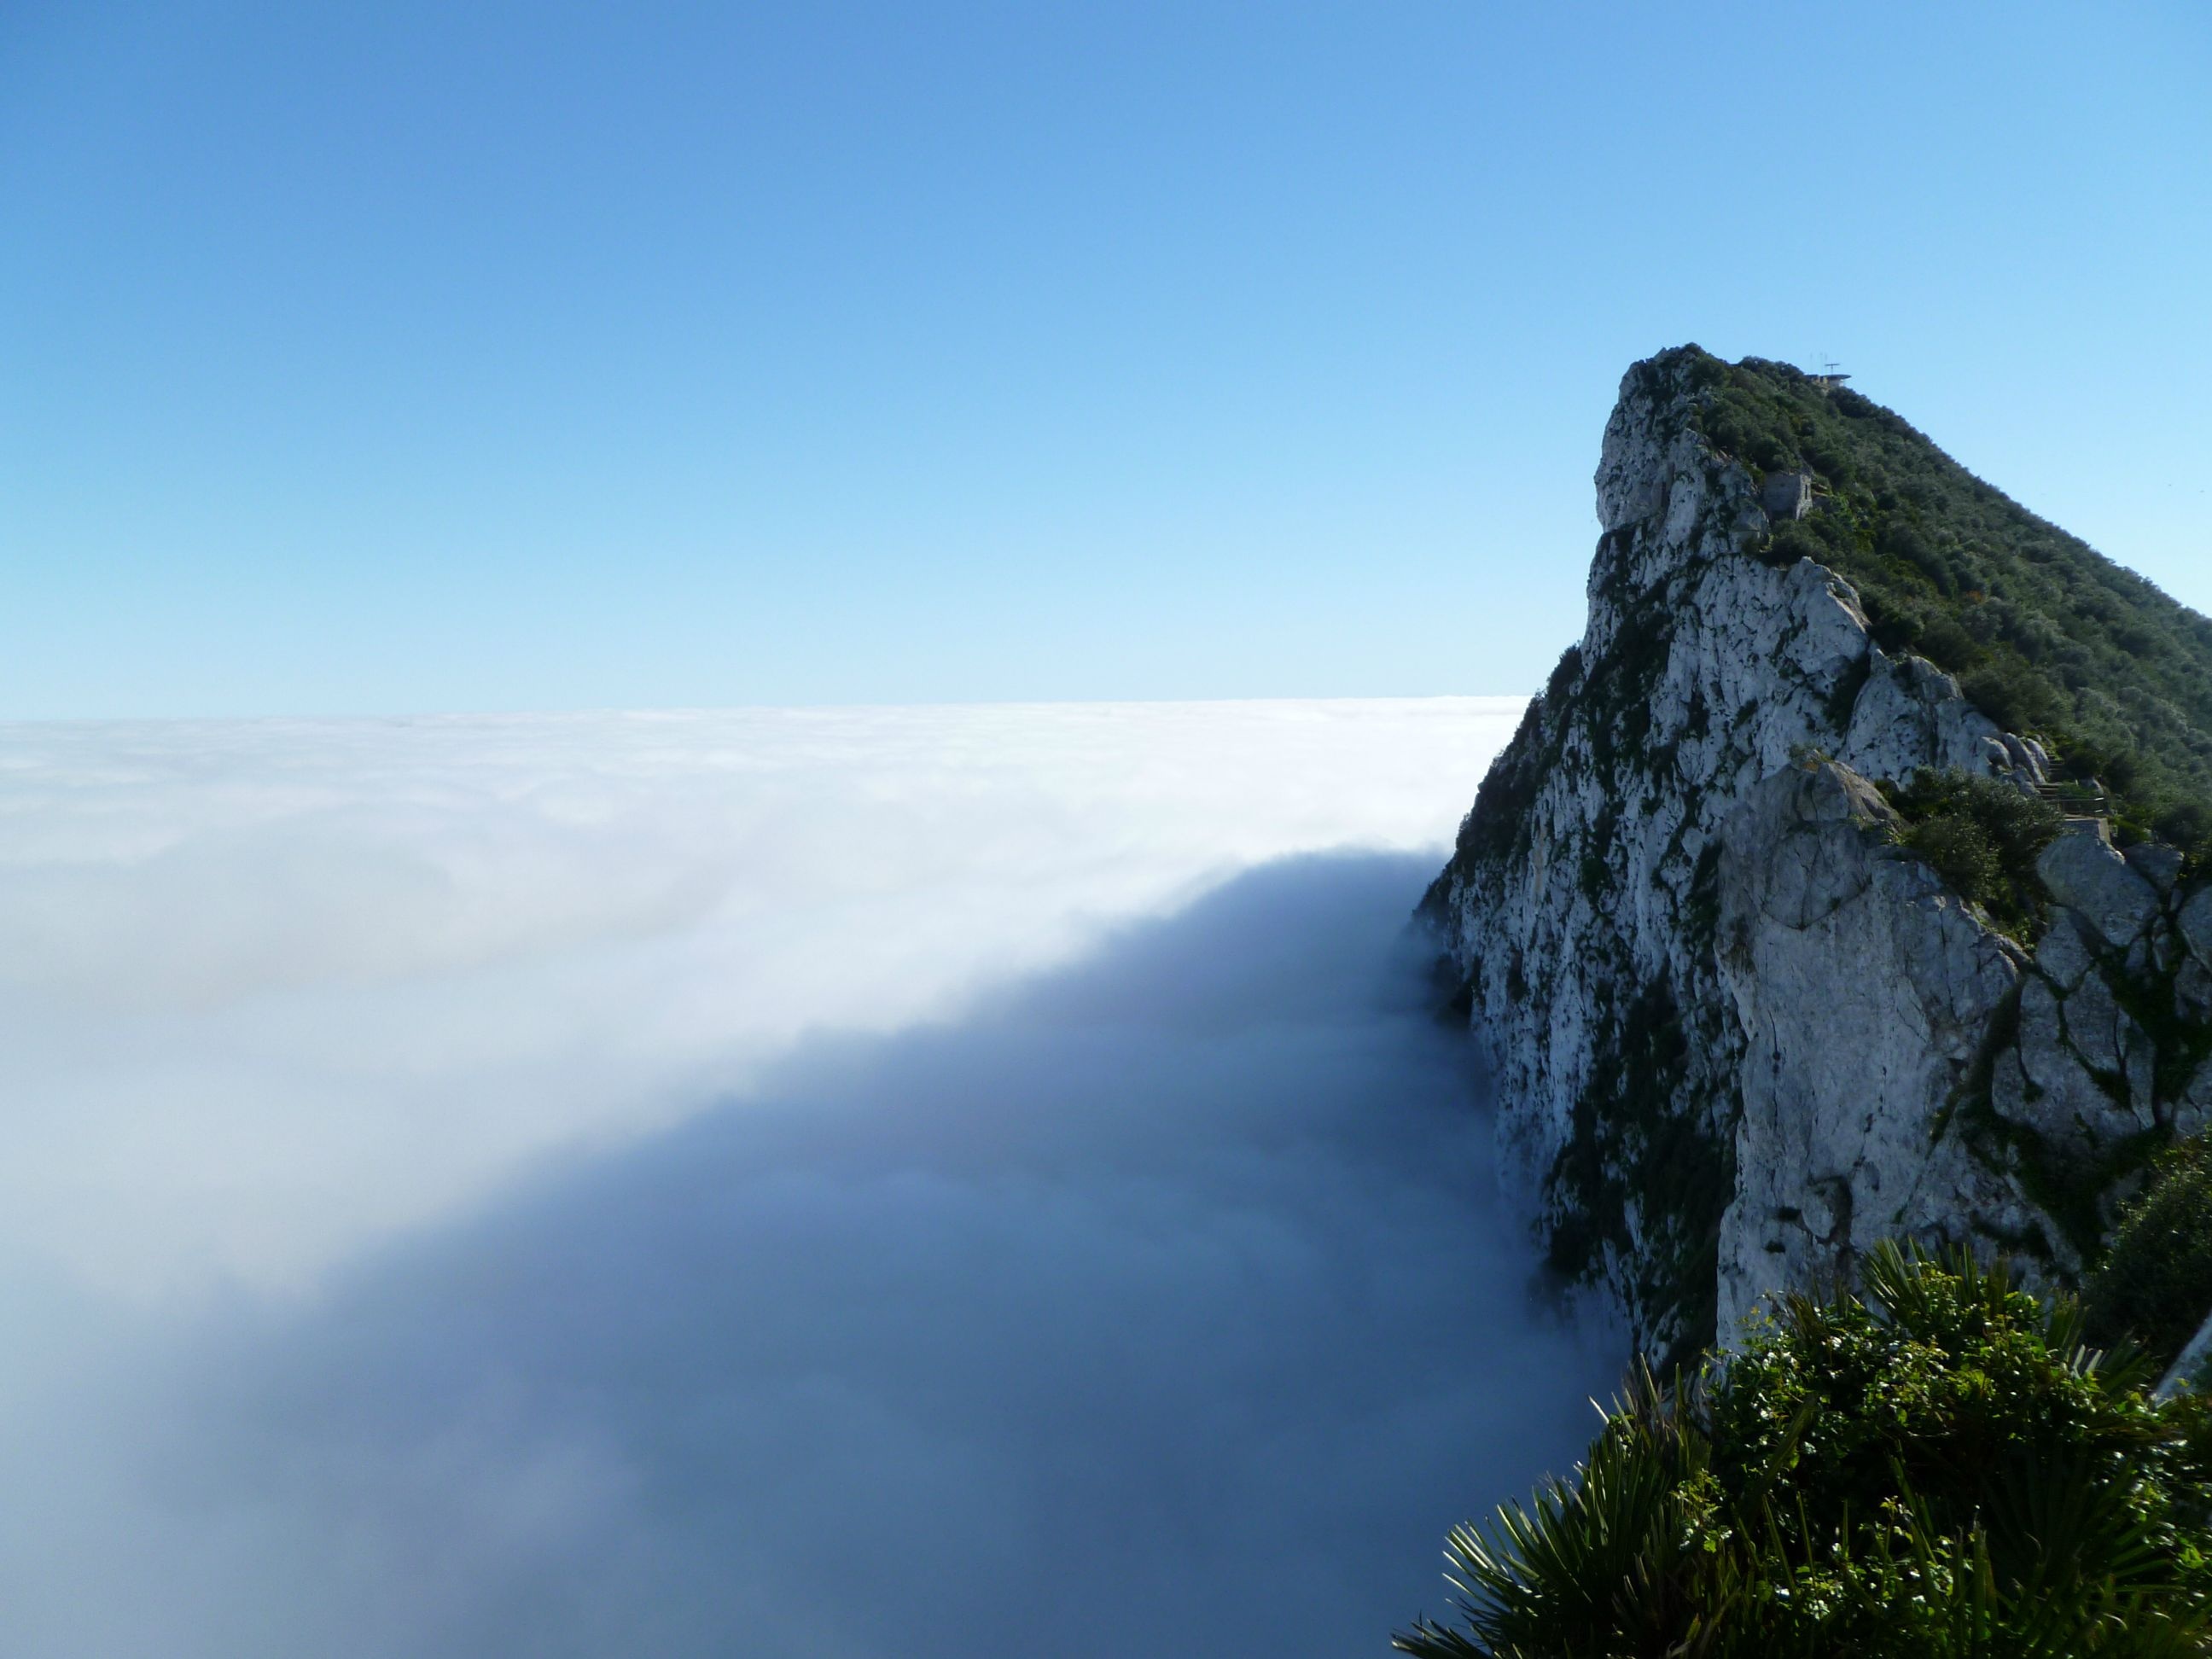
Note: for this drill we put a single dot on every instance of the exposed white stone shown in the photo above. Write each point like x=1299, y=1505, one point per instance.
x=2157, y=863
x=2188, y=1367
x=2084, y=872
x=1698, y=850
x=1911, y=714
x=2192, y=990
x=1863, y=988
x=2192, y=1112
x=2026, y=756
x=2061, y=957
x=2194, y=920
x=2064, y=1047
x=1787, y=494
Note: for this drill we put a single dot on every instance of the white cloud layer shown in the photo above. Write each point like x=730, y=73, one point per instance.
x=272, y=988
x=917, y=1183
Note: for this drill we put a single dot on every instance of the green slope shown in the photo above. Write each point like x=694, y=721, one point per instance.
x=2046, y=636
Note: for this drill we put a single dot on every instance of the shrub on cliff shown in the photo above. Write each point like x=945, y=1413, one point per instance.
x=1983, y=835
x=2155, y=1285
x=1936, y=1467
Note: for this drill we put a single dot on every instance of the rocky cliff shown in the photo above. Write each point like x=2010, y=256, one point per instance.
x=1742, y=1021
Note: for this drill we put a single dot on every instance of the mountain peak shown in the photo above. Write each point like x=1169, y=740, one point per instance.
x=1743, y=1023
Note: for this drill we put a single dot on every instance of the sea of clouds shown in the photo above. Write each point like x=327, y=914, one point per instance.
x=926, y=1183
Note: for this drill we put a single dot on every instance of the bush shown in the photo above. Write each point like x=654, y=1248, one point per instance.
x=2155, y=1285
x=1936, y=1468
x=2011, y=693
x=1962, y=852
x=2187, y=824
x=1983, y=835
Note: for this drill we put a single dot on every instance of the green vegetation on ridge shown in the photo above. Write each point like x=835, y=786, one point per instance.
x=2046, y=636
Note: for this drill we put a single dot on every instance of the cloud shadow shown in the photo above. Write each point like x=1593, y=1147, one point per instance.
x=1160, y=1305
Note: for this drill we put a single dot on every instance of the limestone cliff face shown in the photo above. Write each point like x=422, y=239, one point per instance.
x=1738, y=1034
x=1862, y=990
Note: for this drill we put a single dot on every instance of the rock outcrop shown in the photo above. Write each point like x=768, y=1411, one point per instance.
x=1738, y=1031
x=1862, y=990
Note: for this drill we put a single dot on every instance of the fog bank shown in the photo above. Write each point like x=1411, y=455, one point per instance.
x=1159, y=1307
x=883, y=1183
x=272, y=989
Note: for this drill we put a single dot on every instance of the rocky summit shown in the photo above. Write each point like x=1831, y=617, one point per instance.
x=1842, y=883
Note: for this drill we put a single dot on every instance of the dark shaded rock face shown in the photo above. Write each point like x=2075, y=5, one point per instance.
x=1738, y=1033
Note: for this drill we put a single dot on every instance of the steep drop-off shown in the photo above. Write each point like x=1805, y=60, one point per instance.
x=1749, y=1006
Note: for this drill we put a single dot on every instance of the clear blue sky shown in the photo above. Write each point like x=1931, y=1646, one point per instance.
x=433, y=355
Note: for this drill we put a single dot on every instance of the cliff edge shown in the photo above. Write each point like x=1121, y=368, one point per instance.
x=1779, y=941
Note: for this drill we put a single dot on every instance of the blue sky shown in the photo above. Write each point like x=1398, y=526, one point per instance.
x=424, y=356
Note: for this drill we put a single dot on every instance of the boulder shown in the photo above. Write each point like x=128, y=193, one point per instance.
x=2082, y=871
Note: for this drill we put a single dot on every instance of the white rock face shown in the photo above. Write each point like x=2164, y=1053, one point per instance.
x=1737, y=1035
x=1863, y=988
x=2084, y=873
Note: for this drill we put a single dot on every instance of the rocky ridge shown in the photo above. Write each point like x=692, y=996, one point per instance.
x=1739, y=1030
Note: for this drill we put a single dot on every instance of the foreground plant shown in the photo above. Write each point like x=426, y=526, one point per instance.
x=1936, y=1466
